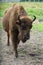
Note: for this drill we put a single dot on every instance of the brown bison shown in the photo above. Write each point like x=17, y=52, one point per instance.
x=17, y=24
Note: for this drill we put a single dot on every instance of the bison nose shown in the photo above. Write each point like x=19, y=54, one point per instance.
x=27, y=37
x=24, y=36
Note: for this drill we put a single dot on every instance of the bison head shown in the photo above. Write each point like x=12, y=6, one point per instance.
x=25, y=25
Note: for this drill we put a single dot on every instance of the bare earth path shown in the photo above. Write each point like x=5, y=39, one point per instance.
x=30, y=53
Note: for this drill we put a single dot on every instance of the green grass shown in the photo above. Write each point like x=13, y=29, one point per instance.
x=0, y=25
x=32, y=8
x=33, y=11
x=35, y=8
x=38, y=26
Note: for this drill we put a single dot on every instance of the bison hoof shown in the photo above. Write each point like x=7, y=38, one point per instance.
x=16, y=55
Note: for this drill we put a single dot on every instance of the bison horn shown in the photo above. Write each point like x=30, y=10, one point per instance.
x=34, y=18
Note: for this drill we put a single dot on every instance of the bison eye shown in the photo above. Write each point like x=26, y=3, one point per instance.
x=23, y=27
x=30, y=26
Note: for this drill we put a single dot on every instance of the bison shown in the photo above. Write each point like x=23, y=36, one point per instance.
x=17, y=24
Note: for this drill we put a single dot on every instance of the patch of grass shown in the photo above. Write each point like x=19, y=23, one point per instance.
x=35, y=11
x=1, y=13
x=3, y=7
x=32, y=8
x=0, y=25
x=38, y=26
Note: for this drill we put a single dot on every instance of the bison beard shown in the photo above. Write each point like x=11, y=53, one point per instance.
x=17, y=24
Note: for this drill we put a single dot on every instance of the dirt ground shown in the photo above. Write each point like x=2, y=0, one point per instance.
x=30, y=53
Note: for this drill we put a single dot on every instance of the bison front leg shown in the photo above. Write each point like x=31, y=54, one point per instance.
x=15, y=49
x=15, y=43
x=15, y=40
x=15, y=46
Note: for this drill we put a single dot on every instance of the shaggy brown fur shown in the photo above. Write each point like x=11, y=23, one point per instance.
x=17, y=24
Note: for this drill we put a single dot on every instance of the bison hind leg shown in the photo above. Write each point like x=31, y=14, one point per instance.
x=8, y=43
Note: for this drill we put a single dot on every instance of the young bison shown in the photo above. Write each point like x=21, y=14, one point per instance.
x=17, y=24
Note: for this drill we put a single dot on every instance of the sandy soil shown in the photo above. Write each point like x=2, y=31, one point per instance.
x=30, y=53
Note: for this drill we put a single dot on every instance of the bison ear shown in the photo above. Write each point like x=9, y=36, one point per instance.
x=18, y=23
x=34, y=18
x=19, y=20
